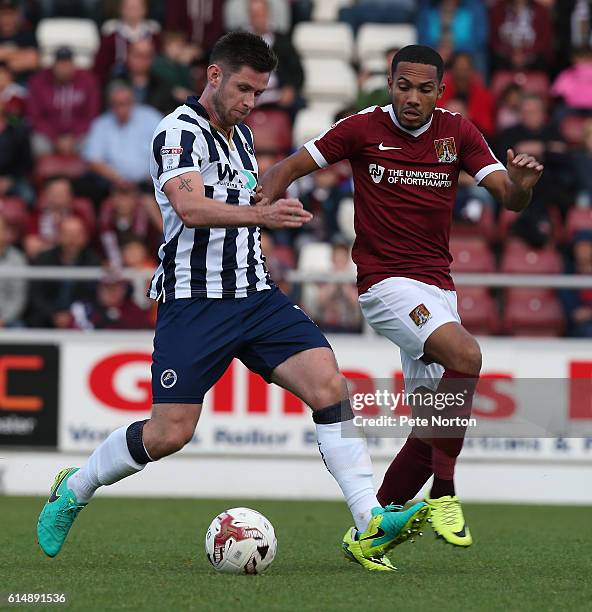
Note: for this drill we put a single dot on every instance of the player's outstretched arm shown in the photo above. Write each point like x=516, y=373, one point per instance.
x=186, y=194
x=513, y=189
x=279, y=177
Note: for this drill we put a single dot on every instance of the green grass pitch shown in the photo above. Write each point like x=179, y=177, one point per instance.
x=147, y=554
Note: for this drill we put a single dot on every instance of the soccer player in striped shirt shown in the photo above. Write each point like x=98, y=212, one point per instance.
x=217, y=302
x=406, y=158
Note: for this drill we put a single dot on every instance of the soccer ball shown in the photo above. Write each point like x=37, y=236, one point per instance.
x=241, y=541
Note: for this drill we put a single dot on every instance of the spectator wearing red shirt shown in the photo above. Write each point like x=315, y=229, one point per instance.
x=56, y=202
x=62, y=103
x=113, y=308
x=464, y=82
x=118, y=34
x=122, y=216
x=201, y=22
x=521, y=35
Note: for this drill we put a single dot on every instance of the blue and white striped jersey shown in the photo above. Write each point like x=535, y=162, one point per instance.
x=206, y=262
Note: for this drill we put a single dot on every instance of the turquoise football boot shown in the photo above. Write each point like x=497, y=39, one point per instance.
x=58, y=514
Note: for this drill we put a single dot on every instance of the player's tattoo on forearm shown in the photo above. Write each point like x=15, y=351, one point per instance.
x=185, y=184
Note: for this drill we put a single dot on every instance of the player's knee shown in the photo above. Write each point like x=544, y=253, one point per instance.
x=472, y=358
x=175, y=438
x=331, y=391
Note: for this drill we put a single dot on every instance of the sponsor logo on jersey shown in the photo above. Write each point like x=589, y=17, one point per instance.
x=168, y=379
x=445, y=150
x=383, y=147
x=249, y=179
x=420, y=315
x=171, y=157
x=236, y=179
x=376, y=172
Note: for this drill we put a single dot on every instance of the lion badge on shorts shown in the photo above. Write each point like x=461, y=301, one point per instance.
x=420, y=315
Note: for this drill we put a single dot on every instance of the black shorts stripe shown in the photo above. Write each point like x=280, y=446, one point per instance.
x=199, y=253
x=228, y=273
x=157, y=145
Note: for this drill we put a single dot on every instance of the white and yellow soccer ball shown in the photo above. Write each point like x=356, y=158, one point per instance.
x=241, y=541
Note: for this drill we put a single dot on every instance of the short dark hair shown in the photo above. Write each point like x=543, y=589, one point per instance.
x=238, y=49
x=419, y=54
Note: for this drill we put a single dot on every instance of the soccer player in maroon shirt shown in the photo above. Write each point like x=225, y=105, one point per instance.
x=406, y=158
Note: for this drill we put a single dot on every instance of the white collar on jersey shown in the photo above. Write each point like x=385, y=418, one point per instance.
x=415, y=133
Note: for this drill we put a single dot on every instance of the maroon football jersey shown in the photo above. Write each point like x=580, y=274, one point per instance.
x=404, y=189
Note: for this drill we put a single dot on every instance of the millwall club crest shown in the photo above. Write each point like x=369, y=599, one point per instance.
x=376, y=172
x=445, y=150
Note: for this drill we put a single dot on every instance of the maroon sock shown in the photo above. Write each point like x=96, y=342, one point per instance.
x=408, y=472
x=448, y=442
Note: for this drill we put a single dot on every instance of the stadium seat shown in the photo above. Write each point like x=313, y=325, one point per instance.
x=315, y=257
x=483, y=228
x=572, y=129
x=532, y=312
x=70, y=166
x=329, y=79
x=272, y=130
x=324, y=40
x=519, y=258
x=81, y=35
x=328, y=10
x=507, y=218
x=376, y=82
x=375, y=39
x=578, y=219
x=471, y=255
x=285, y=254
x=311, y=122
x=477, y=310
x=14, y=212
x=374, y=65
x=531, y=81
x=345, y=218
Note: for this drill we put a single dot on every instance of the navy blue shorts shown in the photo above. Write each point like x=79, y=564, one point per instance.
x=197, y=338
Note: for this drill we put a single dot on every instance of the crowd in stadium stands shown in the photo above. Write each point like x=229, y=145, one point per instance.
x=76, y=120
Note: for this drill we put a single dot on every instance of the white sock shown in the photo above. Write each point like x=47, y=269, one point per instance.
x=109, y=463
x=348, y=461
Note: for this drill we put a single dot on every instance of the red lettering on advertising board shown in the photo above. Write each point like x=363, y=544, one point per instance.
x=26, y=403
x=580, y=390
x=361, y=385
x=489, y=387
x=102, y=382
x=256, y=394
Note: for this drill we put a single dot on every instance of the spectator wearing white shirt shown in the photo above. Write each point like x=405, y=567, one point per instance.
x=118, y=145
